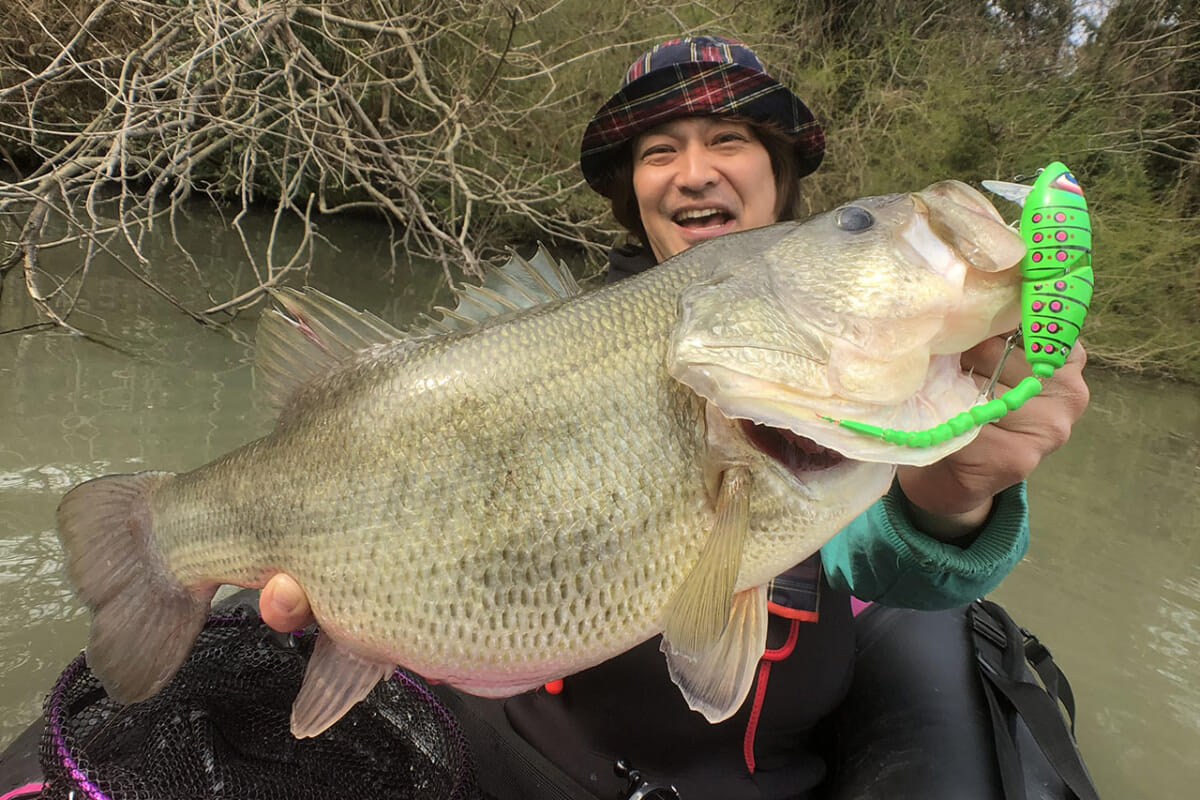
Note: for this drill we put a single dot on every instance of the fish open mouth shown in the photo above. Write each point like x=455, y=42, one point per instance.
x=797, y=453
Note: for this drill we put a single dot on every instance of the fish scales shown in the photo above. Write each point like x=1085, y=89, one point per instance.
x=569, y=462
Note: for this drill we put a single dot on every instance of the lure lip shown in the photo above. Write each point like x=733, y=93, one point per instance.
x=1014, y=192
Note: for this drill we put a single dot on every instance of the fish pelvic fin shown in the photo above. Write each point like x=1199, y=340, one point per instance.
x=144, y=621
x=334, y=681
x=717, y=681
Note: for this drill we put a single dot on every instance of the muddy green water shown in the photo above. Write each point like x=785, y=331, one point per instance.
x=1111, y=582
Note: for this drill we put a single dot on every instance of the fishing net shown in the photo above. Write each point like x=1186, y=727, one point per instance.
x=220, y=730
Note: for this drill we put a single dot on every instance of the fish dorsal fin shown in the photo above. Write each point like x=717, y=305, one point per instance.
x=307, y=336
x=311, y=333
x=516, y=286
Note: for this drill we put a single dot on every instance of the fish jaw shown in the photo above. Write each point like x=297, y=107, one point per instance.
x=788, y=414
x=865, y=324
x=977, y=235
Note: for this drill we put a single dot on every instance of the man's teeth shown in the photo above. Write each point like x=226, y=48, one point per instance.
x=701, y=213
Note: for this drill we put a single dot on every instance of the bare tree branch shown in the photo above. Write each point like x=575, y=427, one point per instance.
x=434, y=116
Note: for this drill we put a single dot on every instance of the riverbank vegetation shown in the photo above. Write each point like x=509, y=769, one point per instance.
x=457, y=123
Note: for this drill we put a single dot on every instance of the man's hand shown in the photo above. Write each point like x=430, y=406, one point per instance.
x=952, y=498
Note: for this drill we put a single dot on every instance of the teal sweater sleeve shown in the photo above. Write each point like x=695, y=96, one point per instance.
x=881, y=557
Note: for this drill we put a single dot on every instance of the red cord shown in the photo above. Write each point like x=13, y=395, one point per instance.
x=760, y=689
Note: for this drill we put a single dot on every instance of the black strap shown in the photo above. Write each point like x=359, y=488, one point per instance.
x=1010, y=696
x=1052, y=676
x=1046, y=724
x=1012, y=776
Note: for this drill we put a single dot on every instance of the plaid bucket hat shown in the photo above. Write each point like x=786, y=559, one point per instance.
x=698, y=75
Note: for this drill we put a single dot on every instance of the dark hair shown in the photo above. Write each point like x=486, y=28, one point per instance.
x=780, y=147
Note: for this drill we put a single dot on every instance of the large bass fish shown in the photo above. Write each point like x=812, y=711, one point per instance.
x=542, y=479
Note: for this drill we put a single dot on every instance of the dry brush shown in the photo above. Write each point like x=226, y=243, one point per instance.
x=433, y=115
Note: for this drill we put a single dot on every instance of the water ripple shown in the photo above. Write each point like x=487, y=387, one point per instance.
x=57, y=478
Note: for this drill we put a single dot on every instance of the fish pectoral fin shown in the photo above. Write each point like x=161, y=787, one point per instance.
x=334, y=681
x=716, y=682
x=698, y=614
x=712, y=637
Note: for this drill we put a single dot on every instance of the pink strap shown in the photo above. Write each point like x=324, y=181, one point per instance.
x=28, y=790
x=857, y=606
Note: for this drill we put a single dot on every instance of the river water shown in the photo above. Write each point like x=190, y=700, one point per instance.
x=1111, y=582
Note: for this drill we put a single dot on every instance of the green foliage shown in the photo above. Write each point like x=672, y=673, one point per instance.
x=916, y=91
x=1146, y=313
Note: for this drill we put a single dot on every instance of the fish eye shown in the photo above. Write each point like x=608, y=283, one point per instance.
x=854, y=219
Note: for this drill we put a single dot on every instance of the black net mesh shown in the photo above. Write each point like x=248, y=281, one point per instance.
x=220, y=730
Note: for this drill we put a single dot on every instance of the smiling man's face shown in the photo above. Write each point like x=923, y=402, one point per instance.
x=696, y=178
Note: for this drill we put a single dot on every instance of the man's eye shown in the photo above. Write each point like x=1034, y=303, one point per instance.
x=656, y=150
x=729, y=136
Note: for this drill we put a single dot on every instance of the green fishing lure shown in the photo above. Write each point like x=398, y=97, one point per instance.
x=1056, y=292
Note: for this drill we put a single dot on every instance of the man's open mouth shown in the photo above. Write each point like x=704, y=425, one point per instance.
x=797, y=453
x=702, y=218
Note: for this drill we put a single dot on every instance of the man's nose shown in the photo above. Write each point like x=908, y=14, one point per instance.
x=697, y=169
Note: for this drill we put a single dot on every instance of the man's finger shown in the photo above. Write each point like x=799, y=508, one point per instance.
x=283, y=604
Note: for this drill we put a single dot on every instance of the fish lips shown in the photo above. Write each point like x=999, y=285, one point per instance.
x=791, y=364
x=801, y=433
x=965, y=220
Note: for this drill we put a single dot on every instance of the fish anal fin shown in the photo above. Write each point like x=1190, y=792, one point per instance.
x=717, y=681
x=700, y=610
x=334, y=681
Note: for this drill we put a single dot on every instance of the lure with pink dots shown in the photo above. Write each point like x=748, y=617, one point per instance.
x=1057, y=266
